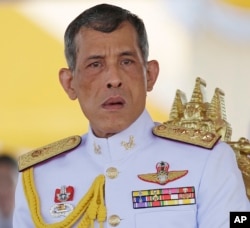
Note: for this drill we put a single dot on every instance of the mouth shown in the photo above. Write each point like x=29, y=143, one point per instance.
x=114, y=103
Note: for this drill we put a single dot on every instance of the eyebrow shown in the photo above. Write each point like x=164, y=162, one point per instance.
x=124, y=53
x=95, y=57
x=128, y=53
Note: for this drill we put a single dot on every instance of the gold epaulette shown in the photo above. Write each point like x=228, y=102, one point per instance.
x=192, y=136
x=43, y=153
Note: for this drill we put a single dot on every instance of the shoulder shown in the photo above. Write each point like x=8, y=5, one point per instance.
x=191, y=136
x=46, y=152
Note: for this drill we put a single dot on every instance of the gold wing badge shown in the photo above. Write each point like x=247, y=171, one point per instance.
x=162, y=176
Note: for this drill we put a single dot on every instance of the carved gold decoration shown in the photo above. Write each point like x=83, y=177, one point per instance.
x=43, y=153
x=202, y=123
x=196, y=122
x=242, y=151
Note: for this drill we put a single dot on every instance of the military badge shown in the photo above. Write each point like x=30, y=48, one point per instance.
x=62, y=208
x=163, y=197
x=64, y=194
x=162, y=176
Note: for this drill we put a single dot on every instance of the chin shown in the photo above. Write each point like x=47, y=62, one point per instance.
x=116, y=128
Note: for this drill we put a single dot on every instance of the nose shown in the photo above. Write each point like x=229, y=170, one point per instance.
x=114, y=78
x=114, y=84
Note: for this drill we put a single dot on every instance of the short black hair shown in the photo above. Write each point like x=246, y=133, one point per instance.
x=104, y=18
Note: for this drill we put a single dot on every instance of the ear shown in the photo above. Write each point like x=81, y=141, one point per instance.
x=152, y=74
x=66, y=78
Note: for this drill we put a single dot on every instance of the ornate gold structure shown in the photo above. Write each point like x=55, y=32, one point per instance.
x=202, y=123
x=242, y=151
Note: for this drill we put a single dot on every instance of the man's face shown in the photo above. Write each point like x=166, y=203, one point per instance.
x=110, y=79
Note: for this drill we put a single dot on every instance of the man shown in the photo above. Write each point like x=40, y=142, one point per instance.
x=8, y=180
x=119, y=173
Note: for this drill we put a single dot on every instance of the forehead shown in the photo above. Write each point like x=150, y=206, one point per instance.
x=124, y=34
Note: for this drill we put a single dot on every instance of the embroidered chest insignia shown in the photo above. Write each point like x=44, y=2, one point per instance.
x=62, y=208
x=64, y=194
x=163, y=175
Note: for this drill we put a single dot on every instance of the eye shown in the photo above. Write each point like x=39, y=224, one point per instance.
x=95, y=65
x=126, y=62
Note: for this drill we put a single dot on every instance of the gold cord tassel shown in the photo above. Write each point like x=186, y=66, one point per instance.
x=90, y=207
x=95, y=208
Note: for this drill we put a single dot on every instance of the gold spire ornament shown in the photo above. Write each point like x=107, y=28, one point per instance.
x=201, y=123
x=197, y=121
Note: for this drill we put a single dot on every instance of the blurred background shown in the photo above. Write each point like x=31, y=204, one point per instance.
x=189, y=38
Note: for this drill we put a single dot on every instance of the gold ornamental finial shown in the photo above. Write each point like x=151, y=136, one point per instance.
x=177, y=107
x=197, y=96
x=197, y=121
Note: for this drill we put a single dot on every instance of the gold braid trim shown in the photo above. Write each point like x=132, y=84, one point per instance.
x=92, y=204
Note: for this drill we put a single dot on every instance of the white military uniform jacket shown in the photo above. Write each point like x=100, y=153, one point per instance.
x=212, y=174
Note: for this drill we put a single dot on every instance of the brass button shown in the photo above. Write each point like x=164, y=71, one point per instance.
x=114, y=220
x=112, y=172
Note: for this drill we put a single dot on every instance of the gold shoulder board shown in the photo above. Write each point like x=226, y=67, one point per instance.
x=43, y=153
x=192, y=136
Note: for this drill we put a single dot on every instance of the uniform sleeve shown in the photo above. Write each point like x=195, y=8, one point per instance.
x=221, y=189
x=22, y=216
